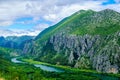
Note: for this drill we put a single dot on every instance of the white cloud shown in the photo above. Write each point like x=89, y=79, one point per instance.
x=18, y=32
x=48, y=9
x=59, y=12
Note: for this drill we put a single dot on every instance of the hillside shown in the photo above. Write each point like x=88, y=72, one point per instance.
x=86, y=39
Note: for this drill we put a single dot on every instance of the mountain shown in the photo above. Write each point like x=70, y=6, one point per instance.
x=14, y=41
x=87, y=39
x=20, y=41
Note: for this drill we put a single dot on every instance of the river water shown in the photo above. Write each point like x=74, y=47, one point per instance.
x=43, y=67
x=14, y=60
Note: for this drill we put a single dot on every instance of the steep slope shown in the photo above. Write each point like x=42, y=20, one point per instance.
x=71, y=20
x=84, y=22
x=86, y=39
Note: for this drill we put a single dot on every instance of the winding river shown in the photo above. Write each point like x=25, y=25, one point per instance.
x=53, y=69
x=43, y=67
x=14, y=60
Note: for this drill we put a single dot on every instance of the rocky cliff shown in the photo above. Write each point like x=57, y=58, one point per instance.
x=97, y=52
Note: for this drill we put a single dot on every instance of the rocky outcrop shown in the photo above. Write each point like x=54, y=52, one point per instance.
x=97, y=52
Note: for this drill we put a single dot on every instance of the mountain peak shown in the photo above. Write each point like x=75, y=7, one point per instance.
x=83, y=11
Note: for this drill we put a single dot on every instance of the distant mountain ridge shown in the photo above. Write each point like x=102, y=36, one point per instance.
x=86, y=39
x=14, y=41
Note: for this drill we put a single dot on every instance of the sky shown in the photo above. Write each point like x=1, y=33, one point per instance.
x=30, y=17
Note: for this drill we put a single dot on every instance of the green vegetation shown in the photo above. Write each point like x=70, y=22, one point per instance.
x=98, y=30
x=26, y=71
x=7, y=53
x=12, y=71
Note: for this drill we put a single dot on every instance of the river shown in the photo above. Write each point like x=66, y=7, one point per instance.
x=43, y=67
x=14, y=60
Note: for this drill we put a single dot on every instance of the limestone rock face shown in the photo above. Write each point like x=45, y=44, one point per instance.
x=96, y=52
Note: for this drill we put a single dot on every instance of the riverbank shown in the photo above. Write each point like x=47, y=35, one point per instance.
x=69, y=69
x=28, y=71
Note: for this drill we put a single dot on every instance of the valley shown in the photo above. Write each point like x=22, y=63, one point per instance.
x=29, y=71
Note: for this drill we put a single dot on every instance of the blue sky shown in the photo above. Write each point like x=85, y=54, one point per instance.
x=108, y=2
x=36, y=15
x=27, y=23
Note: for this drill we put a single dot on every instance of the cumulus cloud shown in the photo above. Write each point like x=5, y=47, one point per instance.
x=49, y=10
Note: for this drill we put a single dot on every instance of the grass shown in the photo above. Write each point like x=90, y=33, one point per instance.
x=31, y=61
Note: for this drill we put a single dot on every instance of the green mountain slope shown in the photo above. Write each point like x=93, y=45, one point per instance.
x=63, y=24
x=85, y=22
x=86, y=39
